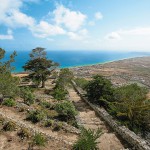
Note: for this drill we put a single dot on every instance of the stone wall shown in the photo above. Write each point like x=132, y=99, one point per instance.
x=129, y=136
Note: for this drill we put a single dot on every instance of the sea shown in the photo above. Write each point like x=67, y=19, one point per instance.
x=68, y=59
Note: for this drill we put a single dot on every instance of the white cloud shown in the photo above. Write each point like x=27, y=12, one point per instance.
x=142, y=31
x=44, y=30
x=98, y=16
x=73, y=20
x=11, y=15
x=50, y=39
x=80, y=35
x=135, y=31
x=7, y=36
x=63, y=21
x=113, y=36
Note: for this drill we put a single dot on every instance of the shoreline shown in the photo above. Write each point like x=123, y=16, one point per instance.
x=87, y=65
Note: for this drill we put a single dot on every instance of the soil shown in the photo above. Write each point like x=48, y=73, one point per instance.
x=88, y=119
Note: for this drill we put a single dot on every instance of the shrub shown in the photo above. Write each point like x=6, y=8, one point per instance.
x=131, y=107
x=66, y=109
x=39, y=140
x=81, y=82
x=9, y=102
x=36, y=116
x=52, y=114
x=48, y=123
x=27, y=95
x=57, y=126
x=99, y=90
x=9, y=126
x=24, y=133
x=65, y=77
x=87, y=140
x=45, y=104
x=59, y=93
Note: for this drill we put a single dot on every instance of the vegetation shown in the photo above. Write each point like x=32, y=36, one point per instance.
x=8, y=83
x=87, y=140
x=24, y=133
x=9, y=126
x=65, y=77
x=9, y=102
x=27, y=95
x=45, y=104
x=59, y=93
x=66, y=109
x=81, y=82
x=36, y=116
x=57, y=126
x=131, y=107
x=48, y=123
x=39, y=140
x=39, y=66
x=127, y=103
x=99, y=90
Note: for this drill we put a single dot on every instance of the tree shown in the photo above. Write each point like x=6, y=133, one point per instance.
x=131, y=107
x=8, y=83
x=39, y=66
x=65, y=77
x=99, y=90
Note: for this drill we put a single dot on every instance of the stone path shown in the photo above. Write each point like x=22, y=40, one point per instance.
x=88, y=119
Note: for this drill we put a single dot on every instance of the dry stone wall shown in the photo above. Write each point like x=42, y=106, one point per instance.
x=129, y=136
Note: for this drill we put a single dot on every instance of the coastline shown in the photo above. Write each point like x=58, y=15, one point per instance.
x=107, y=62
x=87, y=65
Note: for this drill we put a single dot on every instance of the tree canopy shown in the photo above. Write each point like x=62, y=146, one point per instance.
x=8, y=83
x=99, y=90
x=39, y=66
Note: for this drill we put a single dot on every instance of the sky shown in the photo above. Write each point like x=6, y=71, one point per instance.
x=120, y=25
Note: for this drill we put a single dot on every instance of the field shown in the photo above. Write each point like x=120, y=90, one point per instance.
x=134, y=70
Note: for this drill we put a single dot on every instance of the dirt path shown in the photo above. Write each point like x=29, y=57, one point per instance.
x=88, y=119
x=56, y=136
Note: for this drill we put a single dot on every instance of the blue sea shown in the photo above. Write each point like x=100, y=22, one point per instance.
x=76, y=58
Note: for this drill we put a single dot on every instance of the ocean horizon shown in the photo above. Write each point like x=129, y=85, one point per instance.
x=68, y=59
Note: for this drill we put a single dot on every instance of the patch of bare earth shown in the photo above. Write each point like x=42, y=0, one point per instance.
x=88, y=119
x=20, y=117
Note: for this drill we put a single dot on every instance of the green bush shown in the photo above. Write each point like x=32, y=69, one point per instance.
x=39, y=140
x=48, y=123
x=24, y=133
x=27, y=95
x=59, y=93
x=81, y=82
x=65, y=77
x=99, y=90
x=46, y=104
x=57, y=126
x=66, y=109
x=9, y=102
x=36, y=116
x=131, y=107
x=87, y=140
x=9, y=126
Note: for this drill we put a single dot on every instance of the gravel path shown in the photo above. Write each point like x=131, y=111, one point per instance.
x=88, y=119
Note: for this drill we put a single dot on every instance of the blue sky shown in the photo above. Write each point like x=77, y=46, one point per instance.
x=122, y=25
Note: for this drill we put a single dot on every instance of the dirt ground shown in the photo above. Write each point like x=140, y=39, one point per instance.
x=88, y=119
